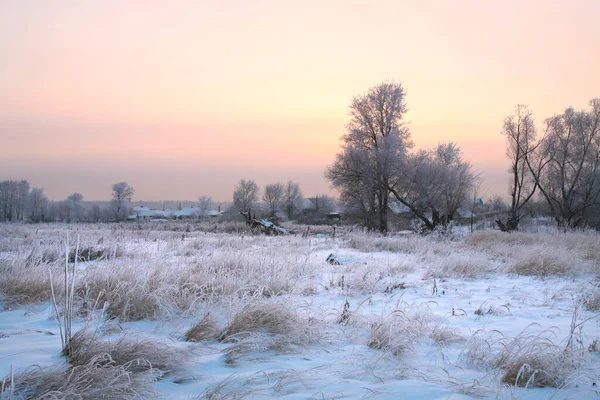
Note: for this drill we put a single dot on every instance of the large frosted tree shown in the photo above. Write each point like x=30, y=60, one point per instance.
x=374, y=165
x=375, y=141
x=567, y=165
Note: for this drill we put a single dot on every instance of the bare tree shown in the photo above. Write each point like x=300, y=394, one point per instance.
x=355, y=184
x=376, y=140
x=122, y=193
x=65, y=210
x=457, y=179
x=22, y=195
x=519, y=129
x=9, y=200
x=292, y=198
x=37, y=205
x=273, y=196
x=244, y=194
x=433, y=184
x=95, y=213
x=374, y=163
x=205, y=205
x=75, y=199
x=566, y=166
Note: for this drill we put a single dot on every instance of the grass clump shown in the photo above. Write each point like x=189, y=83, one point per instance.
x=204, y=329
x=101, y=377
x=265, y=317
x=489, y=307
x=89, y=254
x=26, y=285
x=539, y=262
x=399, y=331
x=140, y=355
x=266, y=326
x=527, y=360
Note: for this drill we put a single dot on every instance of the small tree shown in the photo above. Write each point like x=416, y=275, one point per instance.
x=292, y=198
x=122, y=193
x=9, y=196
x=75, y=199
x=205, y=205
x=244, y=194
x=519, y=129
x=23, y=194
x=273, y=196
x=37, y=205
x=433, y=184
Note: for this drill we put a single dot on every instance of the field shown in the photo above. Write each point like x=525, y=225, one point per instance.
x=211, y=311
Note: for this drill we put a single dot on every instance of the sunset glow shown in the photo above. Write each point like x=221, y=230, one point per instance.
x=184, y=98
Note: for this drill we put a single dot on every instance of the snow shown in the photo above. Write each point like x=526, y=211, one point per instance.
x=340, y=365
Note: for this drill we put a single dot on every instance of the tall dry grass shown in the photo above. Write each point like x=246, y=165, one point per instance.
x=531, y=359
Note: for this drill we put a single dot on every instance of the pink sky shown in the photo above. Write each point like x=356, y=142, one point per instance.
x=184, y=98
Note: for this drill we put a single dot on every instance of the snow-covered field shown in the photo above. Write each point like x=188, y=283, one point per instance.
x=486, y=315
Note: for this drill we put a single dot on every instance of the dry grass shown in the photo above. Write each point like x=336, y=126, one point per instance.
x=231, y=388
x=28, y=284
x=100, y=377
x=593, y=302
x=490, y=240
x=539, y=261
x=263, y=317
x=443, y=334
x=528, y=360
x=492, y=307
x=140, y=355
x=263, y=326
x=541, y=254
x=406, y=243
x=459, y=265
x=204, y=329
x=399, y=331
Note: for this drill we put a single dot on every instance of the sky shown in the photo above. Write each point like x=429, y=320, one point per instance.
x=185, y=98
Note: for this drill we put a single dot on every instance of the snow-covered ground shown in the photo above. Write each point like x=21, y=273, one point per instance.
x=401, y=317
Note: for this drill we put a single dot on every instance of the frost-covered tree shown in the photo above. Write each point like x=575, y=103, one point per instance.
x=566, y=167
x=433, y=184
x=65, y=210
x=376, y=140
x=205, y=204
x=520, y=132
x=22, y=195
x=9, y=200
x=37, y=203
x=273, y=197
x=75, y=200
x=375, y=163
x=122, y=194
x=292, y=198
x=245, y=194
